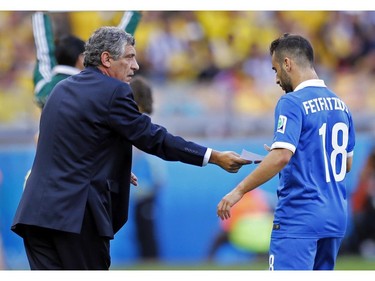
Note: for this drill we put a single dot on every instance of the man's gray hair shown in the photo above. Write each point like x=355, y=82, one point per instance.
x=106, y=39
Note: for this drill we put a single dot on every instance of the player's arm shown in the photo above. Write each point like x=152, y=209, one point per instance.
x=130, y=20
x=350, y=148
x=271, y=165
x=45, y=52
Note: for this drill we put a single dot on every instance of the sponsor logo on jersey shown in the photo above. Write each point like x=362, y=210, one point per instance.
x=281, y=124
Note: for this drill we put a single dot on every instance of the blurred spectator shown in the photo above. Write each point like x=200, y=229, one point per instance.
x=166, y=49
x=83, y=23
x=16, y=54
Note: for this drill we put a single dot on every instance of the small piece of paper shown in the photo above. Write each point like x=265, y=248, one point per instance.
x=256, y=158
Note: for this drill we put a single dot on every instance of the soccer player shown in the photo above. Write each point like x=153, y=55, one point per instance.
x=312, y=151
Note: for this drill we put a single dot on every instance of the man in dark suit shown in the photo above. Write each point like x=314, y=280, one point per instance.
x=77, y=194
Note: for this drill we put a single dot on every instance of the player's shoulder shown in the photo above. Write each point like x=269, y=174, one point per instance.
x=292, y=98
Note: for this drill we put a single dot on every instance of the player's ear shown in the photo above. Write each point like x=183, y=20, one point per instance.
x=286, y=64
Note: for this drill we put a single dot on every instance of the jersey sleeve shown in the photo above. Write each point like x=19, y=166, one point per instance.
x=351, y=143
x=288, y=124
x=45, y=53
x=129, y=21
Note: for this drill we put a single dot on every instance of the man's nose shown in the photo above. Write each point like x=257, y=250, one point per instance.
x=135, y=65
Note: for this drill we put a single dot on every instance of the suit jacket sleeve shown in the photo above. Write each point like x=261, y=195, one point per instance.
x=154, y=139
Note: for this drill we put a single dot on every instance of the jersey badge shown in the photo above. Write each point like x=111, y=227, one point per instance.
x=281, y=124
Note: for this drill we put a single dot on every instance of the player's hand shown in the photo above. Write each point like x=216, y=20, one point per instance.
x=228, y=160
x=133, y=179
x=225, y=205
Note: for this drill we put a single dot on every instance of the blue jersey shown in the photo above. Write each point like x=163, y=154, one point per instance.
x=317, y=127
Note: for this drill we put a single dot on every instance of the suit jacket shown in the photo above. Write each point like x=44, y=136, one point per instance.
x=84, y=155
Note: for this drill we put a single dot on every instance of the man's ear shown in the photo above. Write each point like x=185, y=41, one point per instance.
x=105, y=59
x=287, y=64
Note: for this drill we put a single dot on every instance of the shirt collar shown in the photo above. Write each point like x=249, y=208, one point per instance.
x=310, y=83
x=65, y=69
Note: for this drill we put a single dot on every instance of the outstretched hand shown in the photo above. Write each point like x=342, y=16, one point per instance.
x=228, y=160
x=225, y=205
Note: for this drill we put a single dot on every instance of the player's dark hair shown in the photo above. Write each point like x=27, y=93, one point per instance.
x=293, y=45
x=67, y=50
x=142, y=94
